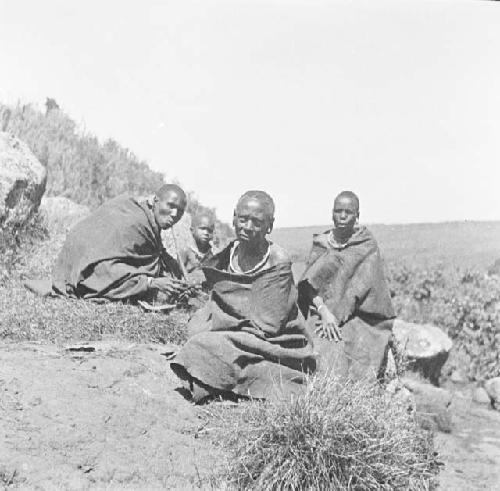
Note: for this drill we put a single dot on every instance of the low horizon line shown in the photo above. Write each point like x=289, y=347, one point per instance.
x=385, y=224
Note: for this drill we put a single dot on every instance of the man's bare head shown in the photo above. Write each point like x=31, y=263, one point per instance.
x=345, y=213
x=254, y=216
x=348, y=195
x=169, y=204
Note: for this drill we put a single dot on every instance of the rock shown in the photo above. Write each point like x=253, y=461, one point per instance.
x=60, y=214
x=481, y=396
x=22, y=182
x=492, y=387
x=432, y=404
x=427, y=347
x=457, y=377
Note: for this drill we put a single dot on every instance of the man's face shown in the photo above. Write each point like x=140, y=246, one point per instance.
x=169, y=210
x=203, y=231
x=251, y=221
x=345, y=214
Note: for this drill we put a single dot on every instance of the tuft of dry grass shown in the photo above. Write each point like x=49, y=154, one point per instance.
x=335, y=436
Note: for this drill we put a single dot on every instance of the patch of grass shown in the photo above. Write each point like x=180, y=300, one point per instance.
x=334, y=436
x=27, y=317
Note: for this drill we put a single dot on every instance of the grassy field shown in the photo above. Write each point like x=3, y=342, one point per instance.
x=464, y=244
x=461, y=303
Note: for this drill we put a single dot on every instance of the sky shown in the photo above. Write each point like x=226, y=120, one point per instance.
x=398, y=100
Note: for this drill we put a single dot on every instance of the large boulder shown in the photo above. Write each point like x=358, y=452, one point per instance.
x=22, y=182
x=426, y=347
x=60, y=214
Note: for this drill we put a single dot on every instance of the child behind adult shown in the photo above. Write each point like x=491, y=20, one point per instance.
x=194, y=255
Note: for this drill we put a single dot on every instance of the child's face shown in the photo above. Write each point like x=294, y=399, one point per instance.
x=203, y=231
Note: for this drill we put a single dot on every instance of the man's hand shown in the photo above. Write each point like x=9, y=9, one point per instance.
x=329, y=327
x=168, y=285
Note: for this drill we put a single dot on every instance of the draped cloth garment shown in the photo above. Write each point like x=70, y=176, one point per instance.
x=250, y=338
x=350, y=279
x=112, y=253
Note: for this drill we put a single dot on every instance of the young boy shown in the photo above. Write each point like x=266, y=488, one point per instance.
x=193, y=257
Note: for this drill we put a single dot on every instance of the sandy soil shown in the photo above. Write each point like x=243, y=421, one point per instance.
x=107, y=419
x=112, y=419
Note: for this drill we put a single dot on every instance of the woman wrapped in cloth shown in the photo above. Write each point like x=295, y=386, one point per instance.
x=250, y=338
x=344, y=295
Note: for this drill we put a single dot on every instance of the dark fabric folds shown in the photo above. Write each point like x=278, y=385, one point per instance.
x=250, y=338
x=112, y=253
x=352, y=283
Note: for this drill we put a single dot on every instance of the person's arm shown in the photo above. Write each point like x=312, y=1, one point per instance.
x=329, y=327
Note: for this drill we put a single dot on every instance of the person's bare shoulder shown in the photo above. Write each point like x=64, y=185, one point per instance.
x=279, y=255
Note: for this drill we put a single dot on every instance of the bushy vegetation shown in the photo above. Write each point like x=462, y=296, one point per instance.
x=464, y=303
x=79, y=167
x=334, y=436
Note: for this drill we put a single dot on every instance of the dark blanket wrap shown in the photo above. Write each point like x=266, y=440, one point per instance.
x=111, y=253
x=352, y=283
x=250, y=338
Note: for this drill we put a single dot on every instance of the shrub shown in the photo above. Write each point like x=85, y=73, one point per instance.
x=82, y=168
x=334, y=436
x=464, y=303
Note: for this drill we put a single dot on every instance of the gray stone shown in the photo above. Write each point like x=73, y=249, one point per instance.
x=492, y=387
x=481, y=396
x=457, y=377
x=22, y=182
x=432, y=404
x=427, y=347
x=60, y=214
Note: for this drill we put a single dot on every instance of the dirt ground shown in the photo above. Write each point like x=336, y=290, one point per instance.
x=108, y=419
x=112, y=419
x=471, y=452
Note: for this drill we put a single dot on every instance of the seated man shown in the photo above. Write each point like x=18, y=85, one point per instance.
x=117, y=253
x=194, y=256
x=249, y=339
x=344, y=293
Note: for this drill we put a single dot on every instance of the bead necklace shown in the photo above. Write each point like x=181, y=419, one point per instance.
x=256, y=268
